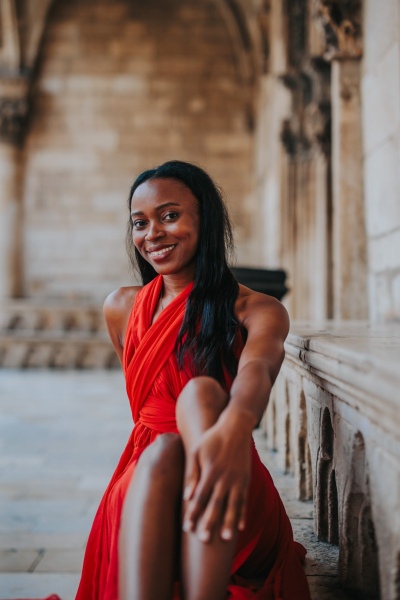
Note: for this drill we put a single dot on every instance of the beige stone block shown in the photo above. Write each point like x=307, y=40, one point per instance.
x=380, y=294
x=61, y=561
x=395, y=285
x=129, y=84
x=16, y=561
x=61, y=160
x=54, y=85
x=382, y=189
x=384, y=252
x=380, y=30
x=135, y=30
x=381, y=100
x=225, y=143
x=13, y=355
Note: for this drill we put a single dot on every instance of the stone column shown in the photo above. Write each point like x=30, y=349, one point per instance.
x=349, y=238
x=13, y=111
x=341, y=23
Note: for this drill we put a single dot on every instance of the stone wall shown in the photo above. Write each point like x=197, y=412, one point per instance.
x=122, y=87
x=334, y=420
x=381, y=127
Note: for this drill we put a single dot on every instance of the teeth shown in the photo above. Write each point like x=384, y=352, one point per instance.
x=163, y=251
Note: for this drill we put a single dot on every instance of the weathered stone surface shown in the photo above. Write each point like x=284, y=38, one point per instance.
x=119, y=91
x=349, y=376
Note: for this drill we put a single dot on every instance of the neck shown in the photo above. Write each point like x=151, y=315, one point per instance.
x=173, y=285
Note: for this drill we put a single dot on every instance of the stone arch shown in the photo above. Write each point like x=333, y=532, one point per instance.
x=236, y=22
x=120, y=87
x=326, y=509
x=358, y=551
x=288, y=450
x=274, y=417
x=304, y=455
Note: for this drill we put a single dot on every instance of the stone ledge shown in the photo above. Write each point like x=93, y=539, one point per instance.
x=334, y=419
x=357, y=361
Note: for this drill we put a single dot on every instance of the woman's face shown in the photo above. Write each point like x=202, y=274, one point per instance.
x=166, y=225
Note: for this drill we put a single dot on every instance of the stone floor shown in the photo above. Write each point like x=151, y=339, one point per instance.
x=61, y=435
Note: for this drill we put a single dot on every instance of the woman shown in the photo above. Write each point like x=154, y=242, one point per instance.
x=197, y=512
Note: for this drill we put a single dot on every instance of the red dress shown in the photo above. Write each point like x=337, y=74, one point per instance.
x=154, y=382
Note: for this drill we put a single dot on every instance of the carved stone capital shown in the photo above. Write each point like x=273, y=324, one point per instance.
x=317, y=125
x=293, y=137
x=310, y=124
x=14, y=108
x=341, y=22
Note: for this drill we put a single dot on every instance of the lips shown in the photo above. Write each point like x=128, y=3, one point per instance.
x=160, y=252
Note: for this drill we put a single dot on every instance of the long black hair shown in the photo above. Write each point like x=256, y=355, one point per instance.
x=210, y=324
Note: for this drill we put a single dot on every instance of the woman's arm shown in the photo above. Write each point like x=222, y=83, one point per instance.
x=267, y=325
x=117, y=308
x=223, y=456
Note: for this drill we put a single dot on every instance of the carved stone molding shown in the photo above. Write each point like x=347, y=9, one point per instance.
x=341, y=21
x=310, y=124
x=13, y=116
x=264, y=24
x=14, y=108
x=348, y=374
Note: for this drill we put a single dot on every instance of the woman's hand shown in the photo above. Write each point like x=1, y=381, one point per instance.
x=217, y=478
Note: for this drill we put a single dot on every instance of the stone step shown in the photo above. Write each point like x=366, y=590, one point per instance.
x=58, y=334
x=59, y=315
x=56, y=350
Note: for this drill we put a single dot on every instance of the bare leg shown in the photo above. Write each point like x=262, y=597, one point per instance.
x=150, y=527
x=205, y=566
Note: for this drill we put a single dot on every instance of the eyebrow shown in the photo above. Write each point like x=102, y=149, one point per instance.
x=139, y=212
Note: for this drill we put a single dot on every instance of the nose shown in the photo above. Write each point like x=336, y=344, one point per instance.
x=154, y=231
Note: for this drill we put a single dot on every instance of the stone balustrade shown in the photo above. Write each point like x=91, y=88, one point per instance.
x=54, y=335
x=334, y=419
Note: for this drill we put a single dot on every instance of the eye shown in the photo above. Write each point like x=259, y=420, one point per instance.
x=138, y=224
x=171, y=216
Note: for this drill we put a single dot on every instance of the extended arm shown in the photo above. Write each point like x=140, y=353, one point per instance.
x=267, y=324
x=222, y=459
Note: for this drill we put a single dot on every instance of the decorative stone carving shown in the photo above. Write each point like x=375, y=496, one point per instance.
x=310, y=124
x=264, y=24
x=326, y=509
x=14, y=108
x=13, y=118
x=358, y=556
x=341, y=23
x=349, y=376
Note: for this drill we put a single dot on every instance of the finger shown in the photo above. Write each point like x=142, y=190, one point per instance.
x=243, y=512
x=212, y=515
x=192, y=475
x=198, y=502
x=231, y=517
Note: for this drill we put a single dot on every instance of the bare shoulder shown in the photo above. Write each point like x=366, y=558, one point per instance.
x=120, y=301
x=117, y=309
x=256, y=310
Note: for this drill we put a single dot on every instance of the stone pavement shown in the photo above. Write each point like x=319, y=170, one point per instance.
x=61, y=436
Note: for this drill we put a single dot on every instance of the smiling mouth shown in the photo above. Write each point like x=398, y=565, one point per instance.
x=161, y=252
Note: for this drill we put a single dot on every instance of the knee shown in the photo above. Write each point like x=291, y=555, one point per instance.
x=202, y=391
x=162, y=458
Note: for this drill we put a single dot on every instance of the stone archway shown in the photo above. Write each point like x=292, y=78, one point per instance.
x=121, y=87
